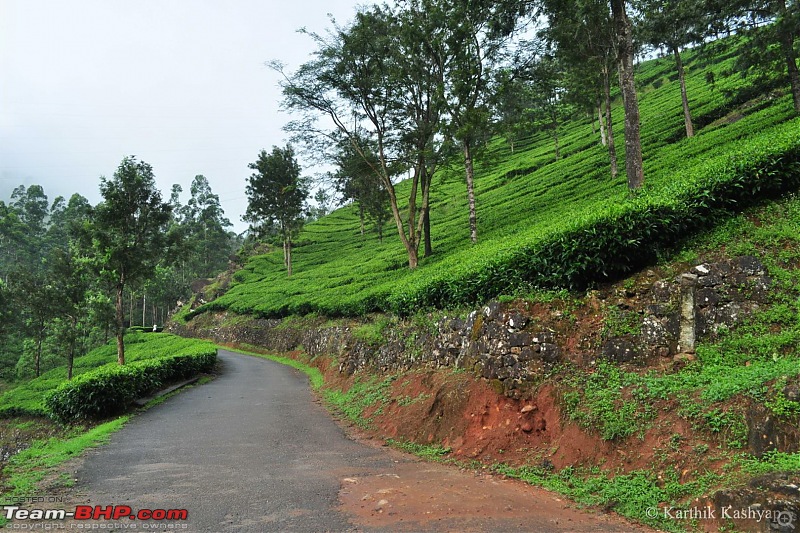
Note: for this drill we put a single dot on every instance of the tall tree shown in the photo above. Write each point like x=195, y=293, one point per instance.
x=673, y=24
x=769, y=23
x=128, y=234
x=634, y=167
x=355, y=181
x=475, y=36
x=35, y=298
x=584, y=39
x=207, y=235
x=71, y=281
x=350, y=82
x=276, y=195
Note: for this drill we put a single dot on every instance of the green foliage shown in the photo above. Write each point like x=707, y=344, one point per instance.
x=618, y=322
x=365, y=393
x=373, y=332
x=634, y=494
x=109, y=390
x=28, y=398
x=596, y=402
x=29, y=467
x=529, y=239
x=430, y=452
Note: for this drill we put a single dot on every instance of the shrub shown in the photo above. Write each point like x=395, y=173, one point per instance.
x=110, y=389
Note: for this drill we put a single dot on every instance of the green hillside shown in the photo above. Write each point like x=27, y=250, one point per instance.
x=546, y=223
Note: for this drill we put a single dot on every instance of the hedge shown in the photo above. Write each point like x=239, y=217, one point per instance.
x=109, y=390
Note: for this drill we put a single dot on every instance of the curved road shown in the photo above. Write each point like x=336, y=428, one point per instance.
x=251, y=451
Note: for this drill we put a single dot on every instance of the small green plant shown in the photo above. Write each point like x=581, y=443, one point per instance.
x=433, y=452
x=363, y=394
x=373, y=333
x=619, y=322
x=405, y=401
x=596, y=402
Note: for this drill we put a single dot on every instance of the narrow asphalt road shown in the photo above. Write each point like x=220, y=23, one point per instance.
x=249, y=451
x=252, y=451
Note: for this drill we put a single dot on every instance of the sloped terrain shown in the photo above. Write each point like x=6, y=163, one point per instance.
x=548, y=223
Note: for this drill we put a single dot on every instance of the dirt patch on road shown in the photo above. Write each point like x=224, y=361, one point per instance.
x=473, y=425
x=418, y=496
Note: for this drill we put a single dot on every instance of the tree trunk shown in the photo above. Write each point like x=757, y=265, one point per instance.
x=120, y=326
x=687, y=114
x=470, y=172
x=409, y=244
x=361, y=217
x=426, y=210
x=287, y=248
x=612, y=150
x=426, y=225
x=555, y=135
x=633, y=144
x=144, y=307
x=787, y=46
x=38, y=357
x=71, y=351
x=603, y=140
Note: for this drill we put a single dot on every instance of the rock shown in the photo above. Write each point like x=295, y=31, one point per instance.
x=792, y=392
x=749, y=265
x=620, y=350
x=549, y=352
x=653, y=332
x=710, y=280
x=492, y=310
x=517, y=322
x=707, y=297
x=527, y=427
x=520, y=339
x=528, y=408
x=663, y=291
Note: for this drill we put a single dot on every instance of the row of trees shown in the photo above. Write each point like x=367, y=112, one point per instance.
x=403, y=89
x=72, y=274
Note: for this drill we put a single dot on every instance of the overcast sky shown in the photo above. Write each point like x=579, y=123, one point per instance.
x=181, y=84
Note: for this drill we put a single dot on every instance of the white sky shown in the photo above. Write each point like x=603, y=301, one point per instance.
x=181, y=84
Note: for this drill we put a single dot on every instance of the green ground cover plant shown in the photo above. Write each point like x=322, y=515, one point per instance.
x=545, y=223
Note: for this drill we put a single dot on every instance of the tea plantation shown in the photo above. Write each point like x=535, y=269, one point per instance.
x=100, y=387
x=544, y=222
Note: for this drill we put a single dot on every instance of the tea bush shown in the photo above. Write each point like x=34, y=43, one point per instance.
x=28, y=398
x=109, y=390
x=550, y=223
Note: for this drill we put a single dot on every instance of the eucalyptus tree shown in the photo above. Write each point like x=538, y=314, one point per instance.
x=276, y=195
x=208, y=238
x=31, y=209
x=71, y=280
x=537, y=86
x=355, y=181
x=34, y=299
x=582, y=35
x=773, y=26
x=12, y=239
x=352, y=81
x=127, y=236
x=674, y=24
x=623, y=28
x=475, y=36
